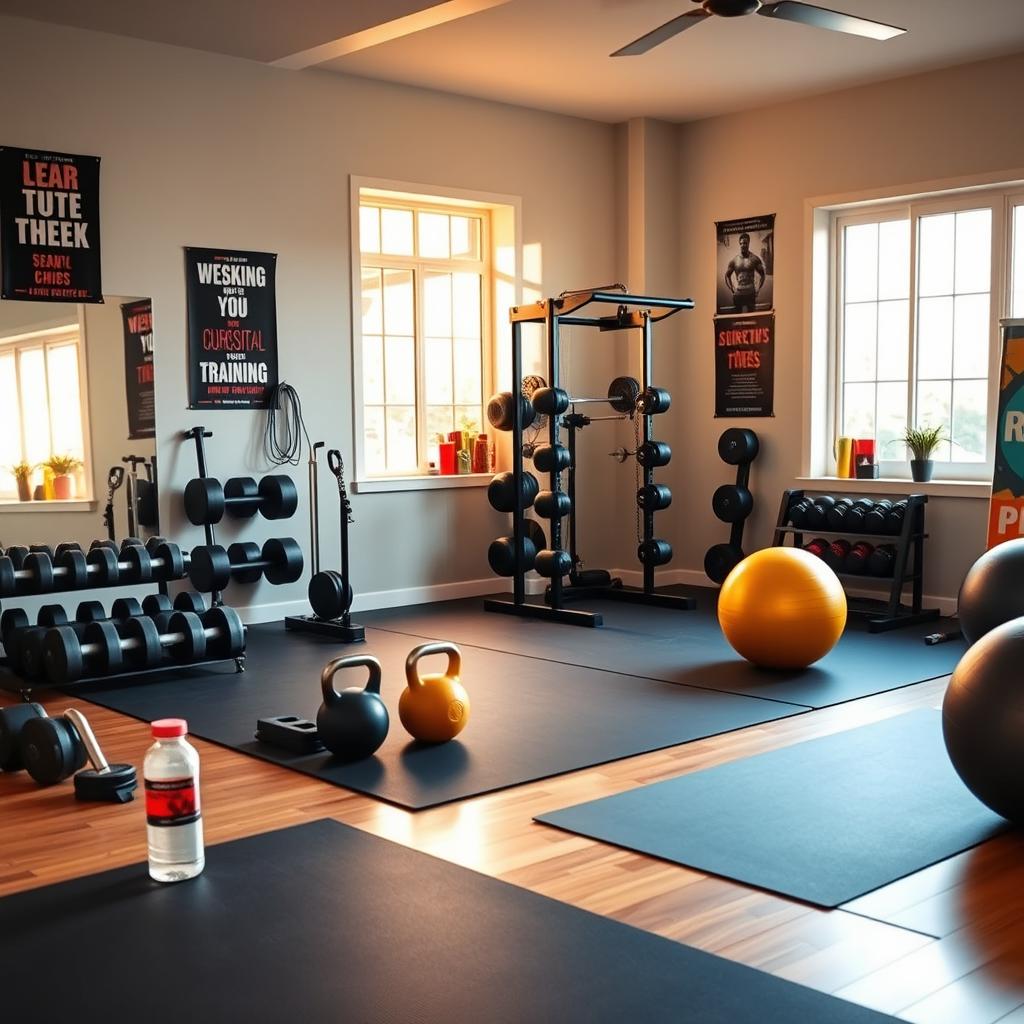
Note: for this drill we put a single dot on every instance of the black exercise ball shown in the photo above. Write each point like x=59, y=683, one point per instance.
x=983, y=720
x=993, y=590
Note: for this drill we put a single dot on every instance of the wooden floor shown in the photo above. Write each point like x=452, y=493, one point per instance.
x=868, y=952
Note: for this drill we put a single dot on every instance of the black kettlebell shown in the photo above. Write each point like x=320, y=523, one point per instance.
x=352, y=724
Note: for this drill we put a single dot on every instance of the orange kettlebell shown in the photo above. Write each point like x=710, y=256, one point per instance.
x=434, y=708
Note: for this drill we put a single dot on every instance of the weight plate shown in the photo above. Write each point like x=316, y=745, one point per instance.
x=279, y=497
x=75, y=564
x=329, y=595
x=90, y=611
x=192, y=643
x=40, y=566
x=204, y=501
x=52, y=615
x=285, y=558
x=228, y=639
x=11, y=621
x=172, y=562
x=241, y=497
x=129, y=608
x=623, y=393
x=104, y=564
x=732, y=503
x=720, y=560
x=62, y=655
x=209, y=568
x=136, y=565
x=737, y=446
x=8, y=581
x=142, y=648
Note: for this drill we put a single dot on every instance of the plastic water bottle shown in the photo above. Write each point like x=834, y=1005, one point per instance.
x=174, y=822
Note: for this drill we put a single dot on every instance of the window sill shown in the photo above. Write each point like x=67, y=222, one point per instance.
x=26, y=507
x=433, y=482
x=939, y=488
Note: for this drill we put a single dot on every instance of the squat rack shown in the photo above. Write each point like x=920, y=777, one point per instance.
x=631, y=312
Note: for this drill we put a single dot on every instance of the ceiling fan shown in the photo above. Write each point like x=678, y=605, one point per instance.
x=785, y=10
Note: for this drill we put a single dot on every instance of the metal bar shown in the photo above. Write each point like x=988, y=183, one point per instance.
x=570, y=489
x=568, y=616
x=518, y=531
x=633, y=595
x=197, y=434
x=553, y=428
x=648, y=476
x=314, y=511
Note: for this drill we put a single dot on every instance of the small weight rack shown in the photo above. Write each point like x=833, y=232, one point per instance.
x=908, y=564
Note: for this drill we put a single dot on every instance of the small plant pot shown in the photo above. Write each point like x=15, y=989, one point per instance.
x=24, y=489
x=62, y=488
x=921, y=470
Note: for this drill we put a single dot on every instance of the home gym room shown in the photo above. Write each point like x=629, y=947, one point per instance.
x=511, y=511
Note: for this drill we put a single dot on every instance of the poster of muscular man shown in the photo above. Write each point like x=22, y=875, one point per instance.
x=746, y=264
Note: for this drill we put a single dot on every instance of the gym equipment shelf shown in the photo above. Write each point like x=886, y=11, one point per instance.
x=908, y=563
x=630, y=312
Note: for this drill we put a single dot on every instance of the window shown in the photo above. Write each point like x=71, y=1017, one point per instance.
x=425, y=352
x=41, y=412
x=918, y=291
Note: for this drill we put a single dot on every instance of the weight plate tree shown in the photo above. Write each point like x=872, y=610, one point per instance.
x=732, y=503
x=617, y=310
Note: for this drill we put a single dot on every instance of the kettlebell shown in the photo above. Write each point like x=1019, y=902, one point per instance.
x=434, y=708
x=352, y=724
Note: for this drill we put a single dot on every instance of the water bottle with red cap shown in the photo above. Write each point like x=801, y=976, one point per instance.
x=174, y=821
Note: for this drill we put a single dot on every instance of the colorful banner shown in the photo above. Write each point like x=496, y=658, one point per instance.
x=137, y=318
x=49, y=226
x=1006, y=511
x=232, y=328
x=746, y=264
x=745, y=365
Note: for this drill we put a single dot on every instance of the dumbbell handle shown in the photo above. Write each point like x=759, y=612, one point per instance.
x=92, y=747
x=166, y=640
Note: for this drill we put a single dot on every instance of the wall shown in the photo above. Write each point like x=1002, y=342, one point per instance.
x=957, y=123
x=200, y=149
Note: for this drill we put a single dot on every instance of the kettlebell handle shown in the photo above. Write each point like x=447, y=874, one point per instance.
x=436, y=647
x=332, y=668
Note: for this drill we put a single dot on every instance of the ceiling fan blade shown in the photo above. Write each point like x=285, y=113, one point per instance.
x=661, y=34
x=821, y=17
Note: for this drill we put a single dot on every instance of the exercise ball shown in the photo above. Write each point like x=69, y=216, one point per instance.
x=983, y=719
x=782, y=608
x=993, y=590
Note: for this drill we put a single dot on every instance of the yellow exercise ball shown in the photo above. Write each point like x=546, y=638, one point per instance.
x=782, y=608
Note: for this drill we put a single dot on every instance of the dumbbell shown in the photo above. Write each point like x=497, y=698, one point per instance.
x=552, y=562
x=798, y=512
x=206, y=500
x=217, y=633
x=654, y=454
x=212, y=568
x=501, y=553
x=12, y=720
x=835, y=554
x=738, y=445
x=654, y=552
x=817, y=514
x=853, y=521
x=159, y=607
x=882, y=560
x=622, y=396
x=818, y=546
x=501, y=410
x=501, y=491
x=895, y=516
x=551, y=458
x=857, y=560
x=720, y=560
x=874, y=521
x=839, y=516
x=732, y=503
x=552, y=504
x=654, y=497
x=653, y=401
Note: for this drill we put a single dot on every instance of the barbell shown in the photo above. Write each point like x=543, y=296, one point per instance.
x=623, y=393
x=206, y=499
x=212, y=567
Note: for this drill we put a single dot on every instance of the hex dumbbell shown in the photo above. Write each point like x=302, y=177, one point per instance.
x=206, y=499
x=212, y=567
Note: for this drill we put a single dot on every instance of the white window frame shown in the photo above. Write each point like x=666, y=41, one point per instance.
x=1001, y=202
x=47, y=337
x=387, y=192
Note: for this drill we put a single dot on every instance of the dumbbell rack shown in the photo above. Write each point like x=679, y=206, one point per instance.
x=632, y=312
x=908, y=568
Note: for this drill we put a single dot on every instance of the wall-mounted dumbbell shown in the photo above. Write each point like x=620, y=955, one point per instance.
x=217, y=633
x=206, y=499
x=732, y=503
x=213, y=568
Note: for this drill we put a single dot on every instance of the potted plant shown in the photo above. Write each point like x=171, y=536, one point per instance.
x=22, y=473
x=922, y=441
x=62, y=466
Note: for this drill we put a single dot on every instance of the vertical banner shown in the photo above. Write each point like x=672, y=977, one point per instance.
x=745, y=365
x=137, y=318
x=746, y=264
x=49, y=226
x=232, y=328
x=1006, y=510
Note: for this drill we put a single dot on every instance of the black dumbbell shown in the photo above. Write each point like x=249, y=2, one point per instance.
x=501, y=491
x=654, y=497
x=817, y=514
x=882, y=560
x=797, y=515
x=552, y=562
x=895, y=516
x=12, y=720
x=857, y=560
x=500, y=411
x=16, y=554
x=501, y=553
x=653, y=401
x=551, y=458
x=720, y=560
x=217, y=633
x=874, y=521
x=654, y=552
x=738, y=446
x=552, y=504
x=732, y=503
x=835, y=554
x=854, y=519
x=837, y=513
x=818, y=546
x=654, y=454
x=206, y=500
x=212, y=568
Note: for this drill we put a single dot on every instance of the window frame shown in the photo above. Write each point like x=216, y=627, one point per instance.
x=1001, y=202
x=45, y=337
x=501, y=252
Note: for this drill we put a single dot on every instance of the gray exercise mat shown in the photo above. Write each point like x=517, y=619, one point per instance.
x=529, y=720
x=687, y=647
x=324, y=923
x=823, y=821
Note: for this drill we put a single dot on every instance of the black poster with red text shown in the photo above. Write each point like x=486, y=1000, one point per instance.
x=745, y=365
x=49, y=226
x=137, y=318
x=232, y=328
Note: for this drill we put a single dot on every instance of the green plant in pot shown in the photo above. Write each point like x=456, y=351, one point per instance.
x=62, y=467
x=922, y=441
x=22, y=473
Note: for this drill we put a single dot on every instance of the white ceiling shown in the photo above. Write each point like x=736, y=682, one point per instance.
x=553, y=54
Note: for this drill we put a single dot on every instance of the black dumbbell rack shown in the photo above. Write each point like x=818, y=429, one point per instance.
x=631, y=312
x=908, y=567
x=721, y=559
